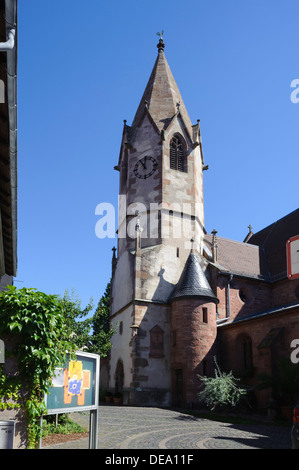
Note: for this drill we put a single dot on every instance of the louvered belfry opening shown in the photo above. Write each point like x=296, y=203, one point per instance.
x=177, y=154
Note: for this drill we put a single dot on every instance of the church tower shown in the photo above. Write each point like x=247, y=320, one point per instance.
x=161, y=218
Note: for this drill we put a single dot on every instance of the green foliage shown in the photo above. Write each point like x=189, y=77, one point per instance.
x=221, y=391
x=78, y=326
x=64, y=426
x=38, y=321
x=100, y=341
x=94, y=332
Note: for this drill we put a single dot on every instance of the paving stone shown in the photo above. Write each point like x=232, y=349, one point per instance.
x=122, y=427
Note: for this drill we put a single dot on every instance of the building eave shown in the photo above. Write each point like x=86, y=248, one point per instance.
x=259, y=315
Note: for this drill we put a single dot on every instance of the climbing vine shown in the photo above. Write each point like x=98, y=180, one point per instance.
x=36, y=320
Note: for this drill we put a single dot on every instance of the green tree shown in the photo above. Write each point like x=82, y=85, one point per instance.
x=100, y=341
x=78, y=323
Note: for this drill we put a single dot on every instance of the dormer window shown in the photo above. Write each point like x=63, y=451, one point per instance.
x=177, y=153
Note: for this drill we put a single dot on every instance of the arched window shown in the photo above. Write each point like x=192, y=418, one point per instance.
x=177, y=153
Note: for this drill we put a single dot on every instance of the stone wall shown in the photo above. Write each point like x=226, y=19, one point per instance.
x=193, y=324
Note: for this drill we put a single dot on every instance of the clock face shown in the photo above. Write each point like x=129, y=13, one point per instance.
x=145, y=167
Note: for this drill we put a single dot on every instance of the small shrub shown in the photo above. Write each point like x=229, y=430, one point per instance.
x=221, y=391
x=65, y=425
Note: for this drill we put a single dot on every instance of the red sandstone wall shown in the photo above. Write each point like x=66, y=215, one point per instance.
x=263, y=357
x=193, y=342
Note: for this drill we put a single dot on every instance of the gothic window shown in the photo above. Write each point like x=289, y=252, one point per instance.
x=156, y=342
x=177, y=153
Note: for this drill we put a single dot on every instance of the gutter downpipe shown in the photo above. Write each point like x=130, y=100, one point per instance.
x=10, y=47
x=228, y=301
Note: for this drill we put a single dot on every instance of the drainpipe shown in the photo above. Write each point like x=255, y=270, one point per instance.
x=227, y=301
x=10, y=48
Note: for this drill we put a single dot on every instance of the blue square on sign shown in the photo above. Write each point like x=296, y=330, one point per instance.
x=75, y=387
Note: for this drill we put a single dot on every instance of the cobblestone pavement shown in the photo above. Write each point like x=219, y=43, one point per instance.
x=122, y=427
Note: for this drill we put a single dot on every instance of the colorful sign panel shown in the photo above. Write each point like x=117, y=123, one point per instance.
x=75, y=386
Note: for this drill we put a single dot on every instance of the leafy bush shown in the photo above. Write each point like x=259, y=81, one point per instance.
x=64, y=426
x=221, y=391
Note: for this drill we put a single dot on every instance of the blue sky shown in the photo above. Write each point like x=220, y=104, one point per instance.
x=82, y=69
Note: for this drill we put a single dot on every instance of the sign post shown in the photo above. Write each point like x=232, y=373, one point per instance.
x=75, y=387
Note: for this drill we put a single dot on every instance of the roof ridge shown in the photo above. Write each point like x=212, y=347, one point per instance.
x=273, y=224
x=233, y=241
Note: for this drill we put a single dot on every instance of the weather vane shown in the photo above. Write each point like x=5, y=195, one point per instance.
x=160, y=34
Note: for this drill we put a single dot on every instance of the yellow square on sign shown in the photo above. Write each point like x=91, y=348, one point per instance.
x=75, y=370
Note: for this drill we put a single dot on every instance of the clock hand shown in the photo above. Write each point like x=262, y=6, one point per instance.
x=143, y=163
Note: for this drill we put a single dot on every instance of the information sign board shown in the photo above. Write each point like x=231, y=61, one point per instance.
x=75, y=386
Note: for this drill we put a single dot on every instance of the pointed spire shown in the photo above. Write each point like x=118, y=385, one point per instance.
x=214, y=245
x=193, y=282
x=162, y=95
x=114, y=260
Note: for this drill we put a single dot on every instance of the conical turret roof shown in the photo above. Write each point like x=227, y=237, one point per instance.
x=193, y=282
x=162, y=96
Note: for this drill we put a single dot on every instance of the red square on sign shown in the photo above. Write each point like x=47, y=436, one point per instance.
x=293, y=257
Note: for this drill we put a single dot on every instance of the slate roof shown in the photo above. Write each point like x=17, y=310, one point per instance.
x=193, y=282
x=263, y=256
x=162, y=95
x=239, y=258
x=272, y=240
